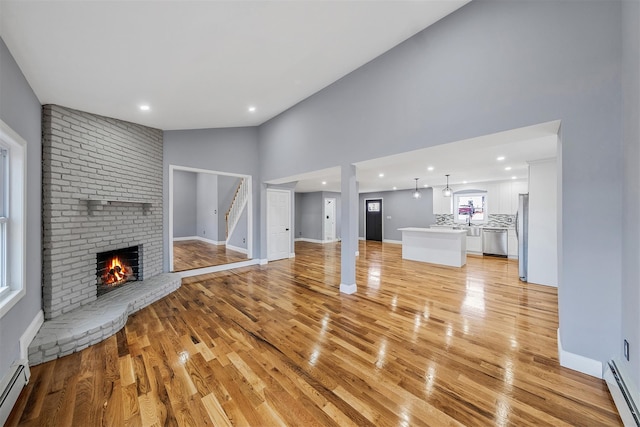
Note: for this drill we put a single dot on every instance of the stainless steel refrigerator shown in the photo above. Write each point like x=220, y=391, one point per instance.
x=522, y=232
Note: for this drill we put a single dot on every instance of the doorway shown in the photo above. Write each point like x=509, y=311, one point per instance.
x=278, y=224
x=199, y=237
x=329, y=220
x=373, y=219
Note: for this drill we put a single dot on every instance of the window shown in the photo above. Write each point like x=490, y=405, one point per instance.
x=470, y=206
x=4, y=191
x=12, y=217
x=373, y=206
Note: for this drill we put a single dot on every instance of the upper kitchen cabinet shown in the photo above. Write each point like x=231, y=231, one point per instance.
x=502, y=196
x=441, y=204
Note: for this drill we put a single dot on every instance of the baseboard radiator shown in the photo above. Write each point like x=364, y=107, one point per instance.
x=11, y=386
x=623, y=393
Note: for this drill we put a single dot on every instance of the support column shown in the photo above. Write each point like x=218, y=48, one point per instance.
x=349, y=231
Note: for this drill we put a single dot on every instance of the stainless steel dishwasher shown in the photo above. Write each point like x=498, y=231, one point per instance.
x=494, y=241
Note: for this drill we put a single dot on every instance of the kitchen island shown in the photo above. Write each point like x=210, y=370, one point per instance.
x=435, y=245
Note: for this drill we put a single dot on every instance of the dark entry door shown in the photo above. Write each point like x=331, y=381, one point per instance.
x=374, y=220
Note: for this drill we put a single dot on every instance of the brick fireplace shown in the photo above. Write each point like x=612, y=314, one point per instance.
x=101, y=205
x=102, y=191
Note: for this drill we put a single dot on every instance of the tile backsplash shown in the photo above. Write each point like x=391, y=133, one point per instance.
x=495, y=220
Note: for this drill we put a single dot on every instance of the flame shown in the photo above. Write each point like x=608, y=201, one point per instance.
x=115, y=272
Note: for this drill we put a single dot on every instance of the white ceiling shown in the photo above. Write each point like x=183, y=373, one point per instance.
x=472, y=160
x=200, y=64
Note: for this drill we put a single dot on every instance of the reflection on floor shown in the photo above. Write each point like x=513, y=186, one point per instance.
x=272, y=345
x=191, y=254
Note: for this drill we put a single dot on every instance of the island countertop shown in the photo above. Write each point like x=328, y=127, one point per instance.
x=433, y=230
x=436, y=246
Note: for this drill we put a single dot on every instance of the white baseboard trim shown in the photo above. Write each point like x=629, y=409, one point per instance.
x=395, y=242
x=264, y=261
x=322, y=242
x=182, y=239
x=577, y=362
x=292, y=255
x=237, y=249
x=357, y=253
x=30, y=333
x=348, y=289
x=216, y=268
x=202, y=239
x=623, y=391
x=361, y=238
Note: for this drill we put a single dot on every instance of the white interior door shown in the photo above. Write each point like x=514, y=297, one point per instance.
x=329, y=219
x=278, y=224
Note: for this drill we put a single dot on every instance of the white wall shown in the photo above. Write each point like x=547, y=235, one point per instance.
x=542, y=264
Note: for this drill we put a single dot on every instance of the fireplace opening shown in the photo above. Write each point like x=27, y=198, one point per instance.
x=118, y=267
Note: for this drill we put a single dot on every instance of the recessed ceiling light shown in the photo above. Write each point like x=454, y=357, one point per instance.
x=508, y=168
x=324, y=182
x=381, y=175
x=252, y=109
x=514, y=177
x=395, y=188
x=145, y=107
x=426, y=185
x=464, y=182
x=500, y=158
x=430, y=168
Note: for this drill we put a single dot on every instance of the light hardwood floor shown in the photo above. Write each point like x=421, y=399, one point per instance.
x=192, y=254
x=418, y=344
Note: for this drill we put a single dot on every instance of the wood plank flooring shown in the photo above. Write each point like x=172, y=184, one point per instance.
x=192, y=254
x=275, y=345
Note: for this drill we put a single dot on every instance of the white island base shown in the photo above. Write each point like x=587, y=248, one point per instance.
x=437, y=246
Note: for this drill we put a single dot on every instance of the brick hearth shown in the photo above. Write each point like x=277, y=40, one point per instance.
x=94, y=322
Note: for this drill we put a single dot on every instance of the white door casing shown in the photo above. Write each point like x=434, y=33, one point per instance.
x=278, y=224
x=329, y=220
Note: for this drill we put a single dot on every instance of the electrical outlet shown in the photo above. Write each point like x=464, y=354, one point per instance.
x=244, y=240
x=626, y=350
x=204, y=232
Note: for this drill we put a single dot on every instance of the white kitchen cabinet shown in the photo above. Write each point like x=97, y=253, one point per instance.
x=474, y=244
x=517, y=187
x=512, y=243
x=441, y=204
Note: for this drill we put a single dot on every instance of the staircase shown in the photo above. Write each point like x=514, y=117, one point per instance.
x=237, y=206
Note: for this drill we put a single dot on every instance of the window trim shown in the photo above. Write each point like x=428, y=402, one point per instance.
x=470, y=193
x=16, y=219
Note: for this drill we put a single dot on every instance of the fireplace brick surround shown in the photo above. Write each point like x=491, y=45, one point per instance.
x=99, y=177
x=101, y=190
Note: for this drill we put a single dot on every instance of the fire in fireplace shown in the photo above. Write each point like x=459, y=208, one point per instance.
x=115, y=268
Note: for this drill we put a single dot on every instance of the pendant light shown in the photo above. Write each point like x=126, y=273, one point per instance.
x=416, y=194
x=447, y=190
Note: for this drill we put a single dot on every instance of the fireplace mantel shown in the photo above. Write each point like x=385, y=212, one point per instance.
x=96, y=204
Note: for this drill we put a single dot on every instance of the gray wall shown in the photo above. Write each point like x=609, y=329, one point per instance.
x=239, y=236
x=184, y=204
x=21, y=110
x=230, y=150
x=309, y=214
x=631, y=186
x=423, y=93
x=207, y=210
x=404, y=210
